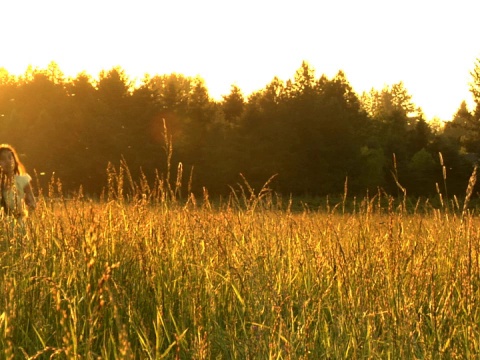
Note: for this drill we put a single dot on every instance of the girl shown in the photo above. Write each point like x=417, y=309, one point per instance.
x=15, y=184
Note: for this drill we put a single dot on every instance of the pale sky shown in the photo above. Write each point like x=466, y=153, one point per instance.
x=429, y=45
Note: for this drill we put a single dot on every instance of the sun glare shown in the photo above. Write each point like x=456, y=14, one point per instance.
x=431, y=49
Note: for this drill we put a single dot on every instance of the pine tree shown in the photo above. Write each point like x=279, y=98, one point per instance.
x=475, y=88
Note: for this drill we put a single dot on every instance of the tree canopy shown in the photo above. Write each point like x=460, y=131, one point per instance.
x=314, y=132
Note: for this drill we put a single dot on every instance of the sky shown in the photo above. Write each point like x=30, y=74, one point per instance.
x=429, y=45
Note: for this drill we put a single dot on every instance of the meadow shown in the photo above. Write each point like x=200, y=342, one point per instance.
x=141, y=274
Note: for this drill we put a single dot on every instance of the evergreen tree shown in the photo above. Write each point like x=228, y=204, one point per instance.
x=461, y=129
x=233, y=105
x=475, y=88
x=397, y=127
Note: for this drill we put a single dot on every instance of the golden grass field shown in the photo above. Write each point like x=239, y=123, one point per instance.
x=150, y=277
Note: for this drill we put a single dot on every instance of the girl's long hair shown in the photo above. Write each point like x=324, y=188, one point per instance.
x=19, y=168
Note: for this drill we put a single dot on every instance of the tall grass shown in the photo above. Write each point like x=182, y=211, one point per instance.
x=143, y=273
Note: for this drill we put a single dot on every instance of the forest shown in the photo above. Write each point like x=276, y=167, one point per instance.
x=315, y=135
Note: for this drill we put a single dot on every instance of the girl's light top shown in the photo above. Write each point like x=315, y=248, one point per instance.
x=15, y=195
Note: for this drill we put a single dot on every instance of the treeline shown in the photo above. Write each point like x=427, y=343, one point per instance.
x=315, y=133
